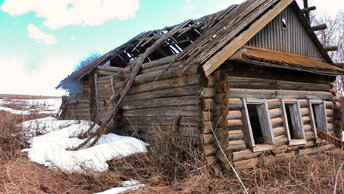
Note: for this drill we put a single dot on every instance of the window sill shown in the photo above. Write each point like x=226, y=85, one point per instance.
x=262, y=147
x=294, y=142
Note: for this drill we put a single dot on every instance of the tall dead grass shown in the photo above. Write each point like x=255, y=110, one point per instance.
x=172, y=165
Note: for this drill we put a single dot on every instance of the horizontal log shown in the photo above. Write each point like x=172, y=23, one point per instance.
x=234, y=146
x=278, y=131
x=244, y=164
x=273, y=103
x=276, y=112
x=295, y=142
x=316, y=149
x=163, y=112
x=112, y=69
x=209, y=149
x=235, y=103
x=271, y=84
x=319, y=27
x=330, y=126
x=244, y=155
x=309, y=135
x=303, y=103
x=255, y=93
x=304, y=111
x=158, y=62
x=235, y=135
x=306, y=119
x=208, y=138
x=164, y=84
x=183, y=121
x=161, y=67
x=281, y=140
x=162, y=74
x=275, y=122
x=107, y=73
x=185, y=130
x=170, y=92
x=329, y=104
x=207, y=92
x=234, y=122
x=234, y=114
x=329, y=112
x=161, y=102
x=208, y=127
x=307, y=127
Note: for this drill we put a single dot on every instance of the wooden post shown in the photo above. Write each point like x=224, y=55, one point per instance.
x=96, y=91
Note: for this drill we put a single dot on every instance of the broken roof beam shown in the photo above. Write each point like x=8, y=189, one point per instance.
x=308, y=9
x=331, y=48
x=319, y=27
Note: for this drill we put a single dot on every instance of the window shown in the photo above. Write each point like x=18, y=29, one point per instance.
x=257, y=124
x=284, y=23
x=318, y=115
x=293, y=122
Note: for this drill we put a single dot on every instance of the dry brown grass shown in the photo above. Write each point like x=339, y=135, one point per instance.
x=172, y=165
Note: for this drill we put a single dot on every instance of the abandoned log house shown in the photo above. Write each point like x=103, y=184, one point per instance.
x=253, y=79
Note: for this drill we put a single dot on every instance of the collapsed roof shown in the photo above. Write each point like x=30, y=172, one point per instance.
x=208, y=41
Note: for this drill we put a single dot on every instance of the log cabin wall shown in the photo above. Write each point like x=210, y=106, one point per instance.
x=164, y=98
x=254, y=82
x=78, y=105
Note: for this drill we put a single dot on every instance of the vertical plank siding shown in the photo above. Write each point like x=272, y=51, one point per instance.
x=294, y=39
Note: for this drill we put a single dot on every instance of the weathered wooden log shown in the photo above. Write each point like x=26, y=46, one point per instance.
x=211, y=160
x=185, y=130
x=303, y=103
x=304, y=111
x=222, y=87
x=244, y=155
x=106, y=73
x=158, y=62
x=307, y=127
x=163, y=66
x=220, y=110
x=319, y=27
x=164, y=84
x=189, y=111
x=234, y=122
x=330, y=126
x=273, y=103
x=161, y=102
x=207, y=127
x=329, y=112
x=220, y=122
x=281, y=140
x=234, y=146
x=329, y=104
x=162, y=75
x=309, y=144
x=234, y=114
x=183, y=121
x=207, y=92
x=255, y=83
x=331, y=48
x=307, y=9
x=221, y=98
x=309, y=135
x=244, y=164
x=306, y=119
x=209, y=149
x=164, y=93
x=235, y=135
x=235, y=103
x=208, y=138
x=275, y=122
x=276, y=112
x=278, y=131
x=316, y=149
x=255, y=93
x=112, y=69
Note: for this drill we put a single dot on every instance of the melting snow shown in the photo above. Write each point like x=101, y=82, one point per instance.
x=51, y=149
x=127, y=185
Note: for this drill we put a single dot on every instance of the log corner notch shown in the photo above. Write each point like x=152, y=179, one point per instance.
x=220, y=112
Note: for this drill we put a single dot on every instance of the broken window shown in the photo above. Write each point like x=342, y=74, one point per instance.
x=318, y=114
x=293, y=121
x=257, y=122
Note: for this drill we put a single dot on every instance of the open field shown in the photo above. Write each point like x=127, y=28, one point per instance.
x=170, y=166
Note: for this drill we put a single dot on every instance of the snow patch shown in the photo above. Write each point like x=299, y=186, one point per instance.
x=127, y=185
x=51, y=149
x=43, y=106
x=17, y=112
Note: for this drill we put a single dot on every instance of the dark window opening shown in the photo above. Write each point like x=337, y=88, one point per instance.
x=255, y=123
x=290, y=122
x=318, y=114
x=284, y=23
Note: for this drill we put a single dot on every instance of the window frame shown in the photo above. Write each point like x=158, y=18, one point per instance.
x=323, y=115
x=297, y=118
x=266, y=127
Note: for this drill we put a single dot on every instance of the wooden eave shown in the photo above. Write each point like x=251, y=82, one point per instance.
x=271, y=58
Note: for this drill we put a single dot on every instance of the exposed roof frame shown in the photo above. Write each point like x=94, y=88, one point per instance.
x=214, y=62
